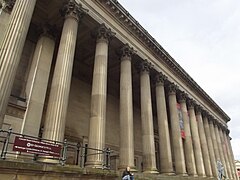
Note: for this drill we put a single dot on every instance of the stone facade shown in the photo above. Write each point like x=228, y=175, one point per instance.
x=92, y=74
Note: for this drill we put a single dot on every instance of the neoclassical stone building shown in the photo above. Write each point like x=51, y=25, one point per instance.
x=87, y=71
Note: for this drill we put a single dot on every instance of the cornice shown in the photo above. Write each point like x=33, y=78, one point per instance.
x=123, y=16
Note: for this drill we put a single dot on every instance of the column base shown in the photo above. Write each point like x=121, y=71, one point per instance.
x=192, y=175
x=47, y=160
x=183, y=175
x=151, y=171
x=168, y=173
x=202, y=175
x=94, y=164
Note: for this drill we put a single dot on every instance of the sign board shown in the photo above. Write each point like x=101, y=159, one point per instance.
x=34, y=146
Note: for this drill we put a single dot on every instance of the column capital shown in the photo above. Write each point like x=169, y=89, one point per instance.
x=226, y=130
x=103, y=33
x=182, y=96
x=7, y=5
x=211, y=118
x=47, y=30
x=221, y=126
x=73, y=9
x=172, y=88
x=191, y=103
x=215, y=122
x=198, y=109
x=205, y=113
x=144, y=66
x=160, y=78
x=126, y=51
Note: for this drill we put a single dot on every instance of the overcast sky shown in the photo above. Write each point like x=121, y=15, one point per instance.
x=203, y=36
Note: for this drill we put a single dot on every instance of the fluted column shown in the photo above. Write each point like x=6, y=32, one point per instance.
x=231, y=157
x=220, y=149
x=226, y=138
x=96, y=138
x=196, y=139
x=11, y=48
x=149, y=159
x=177, y=143
x=166, y=165
x=38, y=81
x=6, y=7
x=225, y=153
x=224, y=132
x=210, y=145
x=214, y=139
x=54, y=126
x=126, y=154
x=188, y=146
x=203, y=142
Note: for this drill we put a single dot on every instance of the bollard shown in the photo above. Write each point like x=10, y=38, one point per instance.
x=83, y=156
x=64, y=153
x=106, y=153
x=5, y=145
x=108, y=158
x=78, y=151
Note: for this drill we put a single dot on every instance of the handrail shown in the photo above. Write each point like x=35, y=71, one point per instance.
x=6, y=137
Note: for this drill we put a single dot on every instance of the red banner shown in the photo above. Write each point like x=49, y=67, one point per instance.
x=181, y=124
x=34, y=146
x=183, y=134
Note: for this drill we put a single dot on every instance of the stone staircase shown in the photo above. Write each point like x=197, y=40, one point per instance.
x=12, y=169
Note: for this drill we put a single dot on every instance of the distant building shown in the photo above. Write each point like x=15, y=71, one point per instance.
x=88, y=72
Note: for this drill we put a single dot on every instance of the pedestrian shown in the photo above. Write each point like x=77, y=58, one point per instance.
x=127, y=175
x=220, y=169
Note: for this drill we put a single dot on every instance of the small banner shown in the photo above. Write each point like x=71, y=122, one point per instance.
x=34, y=146
x=180, y=116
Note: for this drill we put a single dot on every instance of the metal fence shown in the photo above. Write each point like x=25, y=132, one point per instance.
x=8, y=138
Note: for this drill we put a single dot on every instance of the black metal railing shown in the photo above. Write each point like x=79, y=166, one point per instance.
x=7, y=139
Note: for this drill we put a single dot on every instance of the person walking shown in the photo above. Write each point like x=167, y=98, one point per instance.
x=127, y=175
x=220, y=169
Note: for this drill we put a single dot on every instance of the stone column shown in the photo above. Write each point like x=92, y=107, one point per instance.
x=126, y=154
x=54, y=126
x=166, y=165
x=96, y=138
x=6, y=7
x=11, y=48
x=188, y=146
x=210, y=144
x=214, y=139
x=226, y=138
x=196, y=139
x=224, y=147
x=177, y=143
x=38, y=81
x=149, y=159
x=220, y=148
x=203, y=142
x=231, y=175
x=231, y=156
